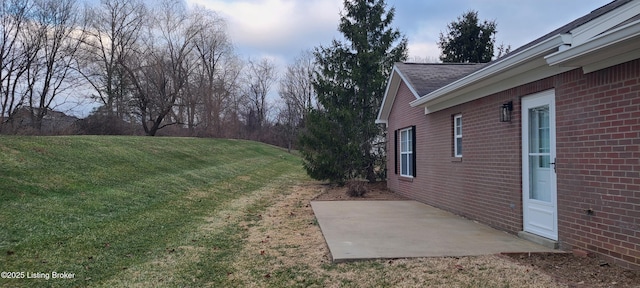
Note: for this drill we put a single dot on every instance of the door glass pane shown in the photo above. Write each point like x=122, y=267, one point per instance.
x=539, y=156
x=543, y=129
x=539, y=180
x=543, y=161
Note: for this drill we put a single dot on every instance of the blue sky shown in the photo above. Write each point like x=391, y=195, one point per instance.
x=280, y=29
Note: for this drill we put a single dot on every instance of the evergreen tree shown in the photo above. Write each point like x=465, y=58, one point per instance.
x=339, y=140
x=468, y=41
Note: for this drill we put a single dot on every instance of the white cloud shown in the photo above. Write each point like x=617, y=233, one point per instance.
x=276, y=24
x=283, y=28
x=423, y=51
x=422, y=42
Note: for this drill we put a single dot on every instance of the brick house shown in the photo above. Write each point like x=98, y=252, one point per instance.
x=543, y=142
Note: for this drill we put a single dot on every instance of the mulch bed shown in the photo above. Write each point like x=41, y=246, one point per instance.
x=375, y=191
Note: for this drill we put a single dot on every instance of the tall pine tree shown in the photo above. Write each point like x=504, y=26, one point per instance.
x=338, y=143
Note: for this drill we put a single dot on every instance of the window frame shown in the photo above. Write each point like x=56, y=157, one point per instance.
x=457, y=135
x=406, y=136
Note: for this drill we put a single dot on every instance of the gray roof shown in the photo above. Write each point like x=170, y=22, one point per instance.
x=425, y=78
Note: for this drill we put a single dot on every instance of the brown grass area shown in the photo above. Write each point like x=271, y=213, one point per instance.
x=286, y=248
x=163, y=268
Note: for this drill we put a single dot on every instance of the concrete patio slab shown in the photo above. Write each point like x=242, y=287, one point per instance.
x=402, y=229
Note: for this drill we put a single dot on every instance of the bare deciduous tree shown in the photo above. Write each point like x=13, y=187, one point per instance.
x=208, y=92
x=227, y=95
x=115, y=28
x=297, y=95
x=160, y=73
x=161, y=66
x=56, y=32
x=259, y=77
x=13, y=60
x=223, y=107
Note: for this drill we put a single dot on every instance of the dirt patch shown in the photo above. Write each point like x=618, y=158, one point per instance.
x=375, y=191
x=576, y=271
x=564, y=268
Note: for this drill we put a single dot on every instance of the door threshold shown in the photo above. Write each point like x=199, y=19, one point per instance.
x=546, y=242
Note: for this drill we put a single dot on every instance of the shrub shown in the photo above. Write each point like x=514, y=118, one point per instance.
x=356, y=187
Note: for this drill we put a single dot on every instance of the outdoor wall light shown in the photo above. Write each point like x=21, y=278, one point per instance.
x=505, y=112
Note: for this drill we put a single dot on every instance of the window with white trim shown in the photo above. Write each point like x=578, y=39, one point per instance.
x=406, y=152
x=457, y=135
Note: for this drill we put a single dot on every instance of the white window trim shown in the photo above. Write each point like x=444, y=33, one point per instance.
x=457, y=136
x=409, y=152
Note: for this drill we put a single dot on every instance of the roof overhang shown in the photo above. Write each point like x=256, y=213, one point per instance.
x=520, y=68
x=390, y=93
x=610, y=48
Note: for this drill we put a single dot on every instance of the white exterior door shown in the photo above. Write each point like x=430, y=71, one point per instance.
x=540, y=215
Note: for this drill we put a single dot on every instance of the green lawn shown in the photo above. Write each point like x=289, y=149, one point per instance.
x=103, y=207
x=185, y=212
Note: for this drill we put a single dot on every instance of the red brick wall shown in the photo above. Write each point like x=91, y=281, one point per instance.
x=485, y=183
x=403, y=116
x=598, y=140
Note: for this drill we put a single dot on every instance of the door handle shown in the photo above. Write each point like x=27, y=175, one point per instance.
x=554, y=165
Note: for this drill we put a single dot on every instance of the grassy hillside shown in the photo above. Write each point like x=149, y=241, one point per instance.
x=95, y=206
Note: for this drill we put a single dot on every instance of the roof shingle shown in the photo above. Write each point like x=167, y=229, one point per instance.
x=428, y=77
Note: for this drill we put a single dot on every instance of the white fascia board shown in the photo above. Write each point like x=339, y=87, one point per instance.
x=619, y=43
x=387, y=100
x=503, y=66
x=385, y=108
x=381, y=121
x=390, y=94
x=602, y=24
x=534, y=73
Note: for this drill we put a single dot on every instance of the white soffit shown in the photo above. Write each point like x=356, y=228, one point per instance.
x=613, y=47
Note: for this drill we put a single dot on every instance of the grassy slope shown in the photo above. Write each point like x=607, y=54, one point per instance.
x=95, y=206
